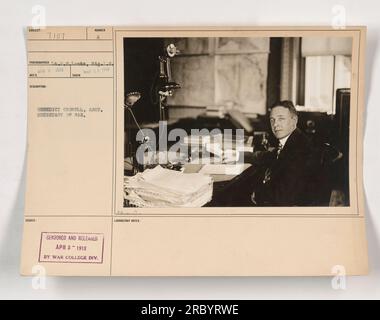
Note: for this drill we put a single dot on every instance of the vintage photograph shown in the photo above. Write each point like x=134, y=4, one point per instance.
x=237, y=121
x=195, y=151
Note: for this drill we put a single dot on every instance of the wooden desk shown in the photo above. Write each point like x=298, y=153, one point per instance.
x=194, y=168
x=229, y=190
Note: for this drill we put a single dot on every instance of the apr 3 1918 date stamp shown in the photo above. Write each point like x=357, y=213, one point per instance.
x=71, y=247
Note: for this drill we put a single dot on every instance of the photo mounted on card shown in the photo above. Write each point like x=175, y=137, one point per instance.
x=195, y=151
x=237, y=121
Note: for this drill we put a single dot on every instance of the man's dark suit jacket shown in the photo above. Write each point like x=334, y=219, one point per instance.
x=297, y=178
x=290, y=174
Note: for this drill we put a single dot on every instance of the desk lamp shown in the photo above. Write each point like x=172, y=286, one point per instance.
x=130, y=99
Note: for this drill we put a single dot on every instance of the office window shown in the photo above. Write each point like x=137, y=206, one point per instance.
x=312, y=71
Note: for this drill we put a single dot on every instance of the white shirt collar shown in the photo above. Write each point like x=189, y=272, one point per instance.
x=283, y=140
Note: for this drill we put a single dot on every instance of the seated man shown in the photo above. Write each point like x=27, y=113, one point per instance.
x=286, y=173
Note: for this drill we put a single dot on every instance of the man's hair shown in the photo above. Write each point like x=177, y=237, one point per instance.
x=286, y=104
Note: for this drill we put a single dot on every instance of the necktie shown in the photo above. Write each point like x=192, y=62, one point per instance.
x=279, y=148
x=268, y=171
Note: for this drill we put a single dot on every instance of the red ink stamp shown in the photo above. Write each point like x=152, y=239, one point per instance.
x=71, y=247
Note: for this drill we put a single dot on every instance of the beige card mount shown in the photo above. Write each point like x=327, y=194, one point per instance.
x=97, y=96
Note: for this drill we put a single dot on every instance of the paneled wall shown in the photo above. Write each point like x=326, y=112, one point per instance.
x=219, y=72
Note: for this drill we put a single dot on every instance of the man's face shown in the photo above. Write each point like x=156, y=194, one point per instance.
x=282, y=122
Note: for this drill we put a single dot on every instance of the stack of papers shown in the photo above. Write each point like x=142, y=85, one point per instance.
x=197, y=139
x=161, y=187
x=223, y=169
